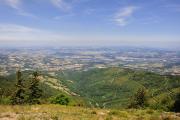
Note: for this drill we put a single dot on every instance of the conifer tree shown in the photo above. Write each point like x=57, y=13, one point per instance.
x=34, y=91
x=176, y=105
x=139, y=99
x=18, y=95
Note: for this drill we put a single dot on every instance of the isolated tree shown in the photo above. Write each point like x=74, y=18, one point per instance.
x=34, y=91
x=18, y=95
x=139, y=99
x=1, y=92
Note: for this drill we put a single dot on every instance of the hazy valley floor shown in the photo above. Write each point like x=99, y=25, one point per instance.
x=57, y=112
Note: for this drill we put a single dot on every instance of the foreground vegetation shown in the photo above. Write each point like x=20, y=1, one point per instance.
x=58, y=112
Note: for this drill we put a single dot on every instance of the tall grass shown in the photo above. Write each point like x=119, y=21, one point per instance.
x=58, y=112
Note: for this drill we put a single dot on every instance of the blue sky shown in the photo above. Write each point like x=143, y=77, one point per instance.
x=152, y=23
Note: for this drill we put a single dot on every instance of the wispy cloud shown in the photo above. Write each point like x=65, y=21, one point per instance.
x=26, y=14
x=17, y=35
x=13, y=3
x=174, y=7
x=17, y=5
x=61, y=4
x=89, y=11
x=64, y=16
x=13, y=32
x=12, y=28
x=123, y=15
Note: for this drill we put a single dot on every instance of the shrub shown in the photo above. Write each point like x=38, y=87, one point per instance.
x=164, y=104
x=60, y=99
x=5, y=100
x=93, y=112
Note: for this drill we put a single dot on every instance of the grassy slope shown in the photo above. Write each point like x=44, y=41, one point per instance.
x=55, y=112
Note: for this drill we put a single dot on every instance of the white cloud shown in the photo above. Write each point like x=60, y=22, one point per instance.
x=64, y=16
x=89, y=11
x=172, y=7
x=18, y=35
x=61, y=4
x=17, y=5
x=20, y=10
x=15, y=33
x=13, y=3
x=122, y=16
x=26, y=14
x=12, y=34
x=12, y=28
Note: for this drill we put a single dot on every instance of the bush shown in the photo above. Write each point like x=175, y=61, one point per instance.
x=5, y=100
x=60, y=99
x=93, y=112
x=165, y=103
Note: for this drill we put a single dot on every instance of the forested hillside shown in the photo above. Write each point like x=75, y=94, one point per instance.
x=115, y=87
x=50, y=87
x=103, y=88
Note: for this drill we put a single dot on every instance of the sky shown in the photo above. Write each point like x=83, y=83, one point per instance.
x=149, y=23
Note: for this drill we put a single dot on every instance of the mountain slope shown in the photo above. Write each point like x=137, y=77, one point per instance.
x=105, y=88
x=114, y=87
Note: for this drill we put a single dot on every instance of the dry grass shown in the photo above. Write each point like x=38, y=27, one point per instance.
x=57, y=112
